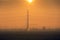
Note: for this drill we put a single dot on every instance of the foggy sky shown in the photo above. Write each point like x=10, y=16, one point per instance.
x=42, y=13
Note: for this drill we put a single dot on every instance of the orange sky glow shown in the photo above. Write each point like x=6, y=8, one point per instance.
x=13, y=14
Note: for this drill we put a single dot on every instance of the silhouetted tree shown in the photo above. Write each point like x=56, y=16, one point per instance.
x=44, y=27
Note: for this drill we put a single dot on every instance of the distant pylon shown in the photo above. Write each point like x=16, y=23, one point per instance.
x=27, y=28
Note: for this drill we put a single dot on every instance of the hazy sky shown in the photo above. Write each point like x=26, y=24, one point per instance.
x=42, y=13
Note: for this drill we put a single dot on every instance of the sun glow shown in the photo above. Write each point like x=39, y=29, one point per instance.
x=30, y=1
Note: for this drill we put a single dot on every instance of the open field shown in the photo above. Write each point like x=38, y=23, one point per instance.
x=30, y=35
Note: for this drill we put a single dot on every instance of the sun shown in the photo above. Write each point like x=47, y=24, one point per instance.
x=30, y=1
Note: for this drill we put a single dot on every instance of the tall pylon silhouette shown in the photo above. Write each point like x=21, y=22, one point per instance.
x=27, y=28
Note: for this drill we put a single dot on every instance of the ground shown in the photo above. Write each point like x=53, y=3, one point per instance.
x=25, y=35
